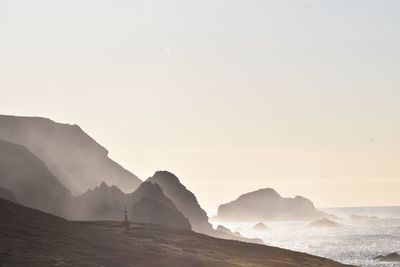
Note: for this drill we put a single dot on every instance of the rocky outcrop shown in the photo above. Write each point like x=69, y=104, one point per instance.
x=224, y=229
x=187, y=203
x=74, y=157
x=24, y=174
x=260, y=227
x=146, y=204
x=149, y=204
x=29, y=179
x=184, y=199
x=100, y=203
x=267, y=204
x=8, y=195
x=324, y=222
x=392, y=257
x=150, y=210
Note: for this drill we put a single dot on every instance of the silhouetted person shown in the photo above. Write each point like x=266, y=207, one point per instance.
x=126, y=221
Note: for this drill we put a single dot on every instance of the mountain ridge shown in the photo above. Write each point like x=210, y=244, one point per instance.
x=77, y=159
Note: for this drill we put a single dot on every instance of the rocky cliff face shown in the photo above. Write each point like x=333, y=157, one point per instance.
x=23, y=173
x=267, y=204
x=100, y=203
x=29, y=179
x=149, y=204
x=146, y=204
x=184, y=199
x=74, y=157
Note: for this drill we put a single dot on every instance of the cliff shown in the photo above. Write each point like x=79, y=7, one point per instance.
x=184, y=199
x=28, y=178
x=73, y=156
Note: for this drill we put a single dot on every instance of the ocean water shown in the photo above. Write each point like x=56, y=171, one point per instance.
x=356, y=242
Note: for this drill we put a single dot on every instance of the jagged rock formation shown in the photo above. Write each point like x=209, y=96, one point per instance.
x=70, y=154
x=147, y=204
x=267, y=204
x=29, y=179
x=53, y=241
x=35, y=186
x=100, y=203
x=8, y=195
x=260, y=227
x=184, y=199
x=187, y=203
x=152, y=206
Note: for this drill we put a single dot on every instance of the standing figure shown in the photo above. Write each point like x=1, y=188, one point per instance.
x=126, y=221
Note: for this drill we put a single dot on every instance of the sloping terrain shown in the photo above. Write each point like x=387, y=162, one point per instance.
x=29, y=237
x=25, y=175
x=73, y=156
x=8, y=195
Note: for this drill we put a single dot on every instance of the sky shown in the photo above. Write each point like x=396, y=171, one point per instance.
x=230, y=95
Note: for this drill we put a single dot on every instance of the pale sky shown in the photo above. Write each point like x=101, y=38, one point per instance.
x=231, y=96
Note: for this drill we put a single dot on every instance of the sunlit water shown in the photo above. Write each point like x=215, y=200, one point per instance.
x=355, y=243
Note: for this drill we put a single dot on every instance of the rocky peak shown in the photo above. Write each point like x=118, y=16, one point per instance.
x=184, y=199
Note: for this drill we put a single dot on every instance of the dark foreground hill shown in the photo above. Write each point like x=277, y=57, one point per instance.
x=29, y=237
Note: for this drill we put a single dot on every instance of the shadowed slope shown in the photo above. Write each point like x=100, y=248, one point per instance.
x=53, y=241
x=29, y=179
x=146, y=204
x=8, y=195
x=184, y=199
x=70, y=154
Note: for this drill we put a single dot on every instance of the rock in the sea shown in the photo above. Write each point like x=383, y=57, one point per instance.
x=224, y=229
x=237, y=234
x=266, y=204
x=260, y=227
x=392, y=257
x=324, y=222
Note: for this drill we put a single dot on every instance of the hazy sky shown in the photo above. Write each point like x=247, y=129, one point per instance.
x=231, y=96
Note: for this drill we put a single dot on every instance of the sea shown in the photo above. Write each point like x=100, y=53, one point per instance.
x=356, y=241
